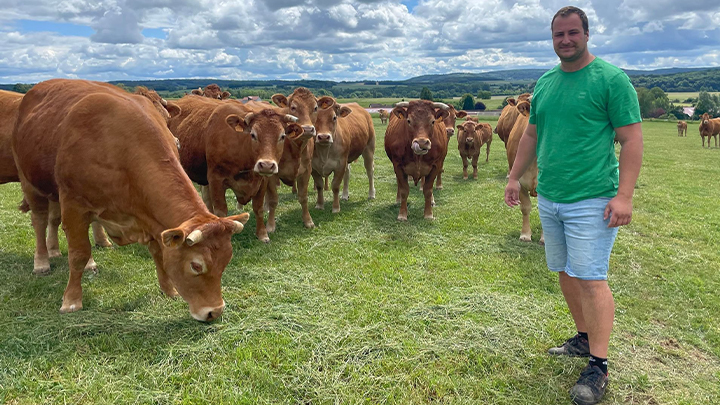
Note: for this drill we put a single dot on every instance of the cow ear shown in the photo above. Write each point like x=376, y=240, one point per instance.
x=524, y=108
x=294, y=130
x=325, y=102
x=224, y=95
x=173, y=237
x=400, y=112
x=280, y=100
x=345, y=111
x=173, y=109
x=461, y=114
x=236, y=123
x=459, y=127
x=441, y=114
x=511, y=101
x=197, y=92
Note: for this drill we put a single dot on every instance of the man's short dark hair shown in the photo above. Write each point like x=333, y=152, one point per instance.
x=566, y=11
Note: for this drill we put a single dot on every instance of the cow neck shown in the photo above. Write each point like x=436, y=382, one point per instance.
x=172, y=200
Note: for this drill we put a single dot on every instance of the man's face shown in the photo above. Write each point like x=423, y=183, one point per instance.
x=569, y=38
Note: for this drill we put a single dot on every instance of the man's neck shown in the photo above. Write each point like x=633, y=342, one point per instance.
x=578, y=64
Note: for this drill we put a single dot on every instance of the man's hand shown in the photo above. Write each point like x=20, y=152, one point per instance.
x=512, y=193
x=619, y=207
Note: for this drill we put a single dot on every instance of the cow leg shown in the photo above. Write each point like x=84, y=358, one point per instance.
x=217, y=196
x=53, y=244
x=465, y=166
x=319, y=183
x=428, y=193
x=327, y=181
x=487, y=152
x=340, y=173
x=368, y=160
x=525, y=207
x=258, y=201
x=346, y=183
x=294, y=187
x=75, y=224
x=207, y=199
x=402, y=193
x=99, y=235
x=302, y=193
x=474, y=165
x=165, y=284
x=271, y=199
x=716, y=141
x=438, y=181
x=39, y=219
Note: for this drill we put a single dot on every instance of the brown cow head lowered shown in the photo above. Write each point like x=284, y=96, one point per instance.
x=212, y=91
x=327, y=120
x=301, y=104
x=268, y=131
x=166, y=109
x=194, y=256
x=419, y=117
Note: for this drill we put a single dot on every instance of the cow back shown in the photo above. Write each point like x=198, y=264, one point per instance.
x=357, y=130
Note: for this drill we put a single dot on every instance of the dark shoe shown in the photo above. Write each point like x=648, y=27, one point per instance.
x=573, y=347
x=590, y=388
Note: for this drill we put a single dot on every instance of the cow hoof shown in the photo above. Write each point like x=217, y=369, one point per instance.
x=525, y=238
x=439, y=188
x=309, y=225
x=371, y=195
x=335, y=210
x=103, y=244
x=402, y=218
x=319, y=207
x=66, y=308
x=41, y=271
x=265, y=240
x=270, y=228
x=54, y=253
x=345, y=198
x=542, y=241
x=91, y=266
x=429, y=217
x=465, y=177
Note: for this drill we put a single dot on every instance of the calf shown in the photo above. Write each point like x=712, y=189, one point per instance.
x=709, y=127
x=107, y=155
x=416, y=142
x=471, y=137
x=528, y=181
x=682, y=128
x=449, y=123
x=383, y=116
x=344, y=133
x=226, y=146
x=212, y=91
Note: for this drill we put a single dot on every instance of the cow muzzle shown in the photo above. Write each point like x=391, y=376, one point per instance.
x=266, y=167
x=208, y=314
x=469, y=141
x=421, y=146
x=324, y=139
x=309, y=130
x=450, y=131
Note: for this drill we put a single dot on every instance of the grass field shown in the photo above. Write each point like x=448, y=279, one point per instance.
x=364, y=309
x=493, y=104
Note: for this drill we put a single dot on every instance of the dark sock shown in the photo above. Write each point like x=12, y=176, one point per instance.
x=583, y=335
x=599, y=363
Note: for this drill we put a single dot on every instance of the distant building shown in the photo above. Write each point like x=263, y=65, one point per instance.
x=689, y=111
x=250, y=98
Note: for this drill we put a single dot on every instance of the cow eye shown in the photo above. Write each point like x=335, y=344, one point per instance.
x=408, y=120
x=196, y=267
x=315, y=109
x=432, y=122
x=334, y=117
x=253, y=135
x=282, y=137
x=292, y=108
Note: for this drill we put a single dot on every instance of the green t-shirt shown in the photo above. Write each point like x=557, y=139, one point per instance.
x=576, y=115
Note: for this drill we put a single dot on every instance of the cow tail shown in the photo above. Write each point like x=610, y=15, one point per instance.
x=24, y=207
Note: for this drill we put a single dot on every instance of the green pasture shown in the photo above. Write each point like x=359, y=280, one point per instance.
x=365, y=309
x=493, y=104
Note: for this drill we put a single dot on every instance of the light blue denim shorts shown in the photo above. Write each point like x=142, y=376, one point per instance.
x=577, y=239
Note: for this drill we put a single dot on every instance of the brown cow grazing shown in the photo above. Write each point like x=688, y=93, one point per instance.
x=508, y=116
x=212, y=91
x=528, y=181
x=709, y=127
x=682, y=128
x=416, y=142
x=471, y=137
x=227, y=146
x=344, y=133
x=296, y=163
x=449, y=122
x=383, y=116
x=473, y=118
x=107, y=155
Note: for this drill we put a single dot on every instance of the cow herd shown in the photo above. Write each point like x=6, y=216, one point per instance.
x=91, y=154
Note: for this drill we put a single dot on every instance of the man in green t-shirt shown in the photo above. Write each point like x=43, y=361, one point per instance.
x=577, y=110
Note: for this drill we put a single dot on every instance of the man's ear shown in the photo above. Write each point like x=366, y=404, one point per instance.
x=280, y=100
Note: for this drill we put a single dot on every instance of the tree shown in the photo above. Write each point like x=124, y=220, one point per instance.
x=22, y=88
x=467, y=102
x=426, y=94
x=480, y=106
x=484, y=94
x=706, y=104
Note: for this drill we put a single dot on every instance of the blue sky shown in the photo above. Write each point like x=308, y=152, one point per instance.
x=335, y=39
